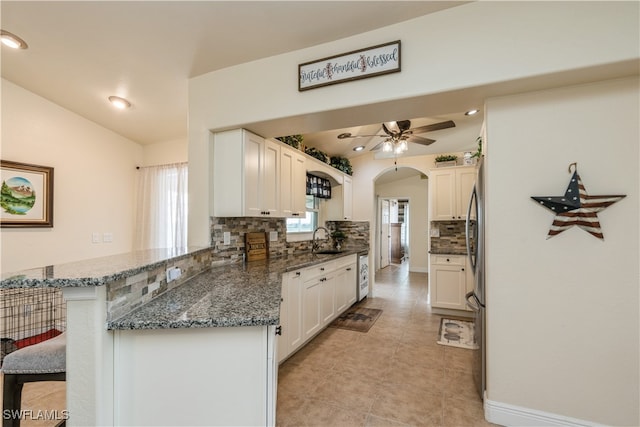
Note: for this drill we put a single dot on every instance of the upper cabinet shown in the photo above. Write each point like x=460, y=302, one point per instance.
x=246, y=175
x=292, y=183
x=450, y=191
x=258, y=177
x=340, y=206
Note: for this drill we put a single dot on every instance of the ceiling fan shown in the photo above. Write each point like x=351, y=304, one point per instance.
x=398, y=133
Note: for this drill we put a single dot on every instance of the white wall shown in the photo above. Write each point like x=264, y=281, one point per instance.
x=416, y=190
x=165, y=152
x=94, y=182
x=450, y=59
x=563, y=313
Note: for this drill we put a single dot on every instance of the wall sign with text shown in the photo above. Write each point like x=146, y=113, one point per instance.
x=358, y=64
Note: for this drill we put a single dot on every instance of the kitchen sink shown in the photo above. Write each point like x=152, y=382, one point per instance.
x=328, y=251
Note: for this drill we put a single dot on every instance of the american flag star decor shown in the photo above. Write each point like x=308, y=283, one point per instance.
x=576, y=207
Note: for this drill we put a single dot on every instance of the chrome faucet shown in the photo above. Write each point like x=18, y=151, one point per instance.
x=315, y=245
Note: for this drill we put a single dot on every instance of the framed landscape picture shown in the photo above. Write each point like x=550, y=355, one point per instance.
x=26, y=197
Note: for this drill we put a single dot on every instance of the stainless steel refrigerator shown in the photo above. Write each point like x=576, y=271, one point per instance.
x=476, y=298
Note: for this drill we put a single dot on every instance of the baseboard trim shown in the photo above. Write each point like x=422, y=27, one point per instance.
x=510, y=415
x=418, y=269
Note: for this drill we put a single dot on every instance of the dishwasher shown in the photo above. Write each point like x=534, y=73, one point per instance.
x=363, y=275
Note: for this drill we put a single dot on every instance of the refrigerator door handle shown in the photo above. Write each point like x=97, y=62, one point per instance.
x=474, y=305
x=467, y=229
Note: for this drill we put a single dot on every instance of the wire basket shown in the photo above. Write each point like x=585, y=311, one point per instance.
x=29, y=316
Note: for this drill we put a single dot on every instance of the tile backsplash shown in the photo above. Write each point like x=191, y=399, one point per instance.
x=357, y=232
x=452, y=236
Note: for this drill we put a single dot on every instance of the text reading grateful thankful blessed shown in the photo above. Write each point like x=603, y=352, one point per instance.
x=360, y=64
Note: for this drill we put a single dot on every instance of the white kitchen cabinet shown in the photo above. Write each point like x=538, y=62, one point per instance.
x=292, y=183
x=246, y=175
x=290, y=315
x=311, y=314
x=340, y=206
x=449, y=281
x=450, y=190
x=218, y=376
x=346, y=283
x=327, y=298
x=312, y=298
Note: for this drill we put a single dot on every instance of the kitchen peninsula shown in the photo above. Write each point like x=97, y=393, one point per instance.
x=199, y=350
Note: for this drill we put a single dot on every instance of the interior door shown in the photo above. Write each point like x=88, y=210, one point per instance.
x=385, y=236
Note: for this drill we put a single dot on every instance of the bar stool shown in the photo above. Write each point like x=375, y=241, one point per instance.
x=45, y=361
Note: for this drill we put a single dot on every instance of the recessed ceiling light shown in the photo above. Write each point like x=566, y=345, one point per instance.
x=358, y=148
x=12, y=41
x=120, y=103
x=471, y=112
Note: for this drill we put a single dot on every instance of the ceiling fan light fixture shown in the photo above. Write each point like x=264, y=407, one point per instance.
x=12, y=41
x=119, y=102
x=387, y=146
x=471, y=112
x=402, y=146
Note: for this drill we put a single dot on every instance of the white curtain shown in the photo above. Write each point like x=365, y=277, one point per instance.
x=161, y=214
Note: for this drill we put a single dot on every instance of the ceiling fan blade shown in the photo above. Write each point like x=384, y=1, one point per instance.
x=435, y=126
x=404, y=125
x=391, y=128
x=421, y=140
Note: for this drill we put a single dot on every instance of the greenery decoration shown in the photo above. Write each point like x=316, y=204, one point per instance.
x=479, y=152
x=320, y=155
x=341, y=163
x=446, y=158
x=293, y=140
x=338, y=235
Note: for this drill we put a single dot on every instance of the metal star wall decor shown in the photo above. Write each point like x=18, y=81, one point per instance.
x=576, y=207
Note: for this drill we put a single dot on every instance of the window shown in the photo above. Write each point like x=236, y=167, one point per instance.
x=161, y=215
x=309, y=222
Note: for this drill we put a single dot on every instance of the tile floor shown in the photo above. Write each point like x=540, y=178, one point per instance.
x=393, y=375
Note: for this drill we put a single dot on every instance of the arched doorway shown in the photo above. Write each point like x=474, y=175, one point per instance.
x=401, y=219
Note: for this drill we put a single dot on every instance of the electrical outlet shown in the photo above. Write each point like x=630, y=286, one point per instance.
x=173, y=273
x=435, y=232
x=95, y=237
x=273, y=236
x=226, y=236
x=107, y=237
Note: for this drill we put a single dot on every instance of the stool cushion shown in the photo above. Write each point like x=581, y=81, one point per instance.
x=46, y=357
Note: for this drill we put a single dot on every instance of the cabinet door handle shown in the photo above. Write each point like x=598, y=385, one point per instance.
x=349, y=269
x=321, y=268
x=463, y=269
x=297, y=273
x=278, y=330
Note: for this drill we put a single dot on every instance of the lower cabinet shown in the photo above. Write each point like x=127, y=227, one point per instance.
x=346, y=292
x=312, y=298
x=449, y=281
x=311, y=314
x=218, y=376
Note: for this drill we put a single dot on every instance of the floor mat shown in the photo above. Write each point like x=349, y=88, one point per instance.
x=358, y=319
x=457, y=333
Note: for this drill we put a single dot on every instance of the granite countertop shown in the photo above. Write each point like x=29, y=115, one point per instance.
x=235, y=294
x=94, y=272
x=239, y=294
